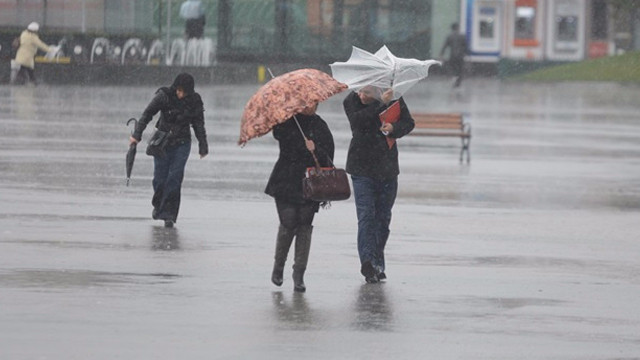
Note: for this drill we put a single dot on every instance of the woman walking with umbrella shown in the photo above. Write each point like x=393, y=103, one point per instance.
x=180, y=107
x=287, y=104
x=372, y=160
x=285, y=185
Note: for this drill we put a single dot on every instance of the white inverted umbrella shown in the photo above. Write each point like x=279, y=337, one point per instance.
x=382, y=70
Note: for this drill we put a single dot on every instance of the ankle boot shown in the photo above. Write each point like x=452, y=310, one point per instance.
x=303, y=245
x=283, y=243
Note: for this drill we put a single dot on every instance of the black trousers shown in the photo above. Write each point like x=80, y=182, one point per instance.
x=457, y=67
x=195, y=27
x=25, y=75
x=293, y=215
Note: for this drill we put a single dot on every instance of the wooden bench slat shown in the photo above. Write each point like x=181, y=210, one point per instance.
x=448, y=134
x=439, y=121
x=438, y=126
x=432, y=117
x=428, y=115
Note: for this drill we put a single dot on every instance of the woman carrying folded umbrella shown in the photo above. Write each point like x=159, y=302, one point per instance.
x=285, y=185
x=180, y=107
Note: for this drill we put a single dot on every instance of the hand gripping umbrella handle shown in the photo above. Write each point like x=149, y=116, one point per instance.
x=313, y=153
x=135, y=123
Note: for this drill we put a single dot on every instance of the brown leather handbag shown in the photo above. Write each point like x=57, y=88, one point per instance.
x=325, y=184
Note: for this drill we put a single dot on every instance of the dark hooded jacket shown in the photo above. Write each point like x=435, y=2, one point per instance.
x=369, y=155
x=176, y=115
x=286, y=178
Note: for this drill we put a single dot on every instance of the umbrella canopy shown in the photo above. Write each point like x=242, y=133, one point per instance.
x=382, y=70
x=284, y=96
x=131, y=154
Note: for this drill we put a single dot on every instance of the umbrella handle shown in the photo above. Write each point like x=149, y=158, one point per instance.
x=315, y=158
x=135, y=123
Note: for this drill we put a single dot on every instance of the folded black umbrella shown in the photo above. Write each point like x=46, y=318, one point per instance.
x=131, y=154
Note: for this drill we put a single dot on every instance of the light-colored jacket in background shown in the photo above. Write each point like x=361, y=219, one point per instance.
x=29, y=45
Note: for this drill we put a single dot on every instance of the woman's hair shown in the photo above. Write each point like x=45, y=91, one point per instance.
x=184, y=81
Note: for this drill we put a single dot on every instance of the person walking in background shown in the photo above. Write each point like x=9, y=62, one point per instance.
x=374, y=169
x=180, y=107
x=285, y=185
x=27, y=50
x=192, y=11
x=457, y=45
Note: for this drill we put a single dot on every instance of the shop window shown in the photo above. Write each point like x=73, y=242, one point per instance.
x=567, y=28
x=487, y=22
x=487, y=29
x=525, y=23
x=599, y=20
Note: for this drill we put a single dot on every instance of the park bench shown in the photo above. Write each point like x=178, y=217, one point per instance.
x=444, y=124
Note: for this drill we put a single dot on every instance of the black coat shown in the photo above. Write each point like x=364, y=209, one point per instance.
x=285, y=182
x=457, y=44
x=369, y=155
x=176, y=115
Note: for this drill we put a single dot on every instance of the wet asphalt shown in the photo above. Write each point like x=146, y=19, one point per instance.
x=528, y=252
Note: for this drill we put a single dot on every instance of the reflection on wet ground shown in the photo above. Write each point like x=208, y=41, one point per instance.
x=65, y=279
x=165, y=238
x=564, y=145
x=373, y=311
x=292, y=311
x=530, y=252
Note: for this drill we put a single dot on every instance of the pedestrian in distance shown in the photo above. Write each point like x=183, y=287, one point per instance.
x=28, y=47
x=285, y=185
x=180, y=108
x=457, y=45
x=373, y=166
x=192, y=11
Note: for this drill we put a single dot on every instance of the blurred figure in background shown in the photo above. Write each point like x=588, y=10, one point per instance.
x=457, y=44
x=193, y=13
x=27, y=50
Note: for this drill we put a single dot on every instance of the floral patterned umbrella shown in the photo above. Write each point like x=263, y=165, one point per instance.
x=284, y=96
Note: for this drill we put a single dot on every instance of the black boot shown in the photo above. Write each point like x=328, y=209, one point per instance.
x=369, y=273
x=283, y=243
x=303, y=245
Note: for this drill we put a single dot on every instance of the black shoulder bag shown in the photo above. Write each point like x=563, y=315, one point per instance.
x=158, y=143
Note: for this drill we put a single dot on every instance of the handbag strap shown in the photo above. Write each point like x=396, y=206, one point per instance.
x=313, y=153
x=315, y=158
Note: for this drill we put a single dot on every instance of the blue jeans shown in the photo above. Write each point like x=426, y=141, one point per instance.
x=374, y=201
x=167, y=181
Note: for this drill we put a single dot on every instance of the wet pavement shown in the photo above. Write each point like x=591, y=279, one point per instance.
x=529, y=252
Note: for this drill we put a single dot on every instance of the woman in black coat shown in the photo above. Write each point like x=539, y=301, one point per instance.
x=285, y=185
x=180, y=108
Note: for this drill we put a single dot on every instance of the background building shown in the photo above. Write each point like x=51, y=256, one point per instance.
x=283, y=30
x=549, y=30
x=316, y=32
